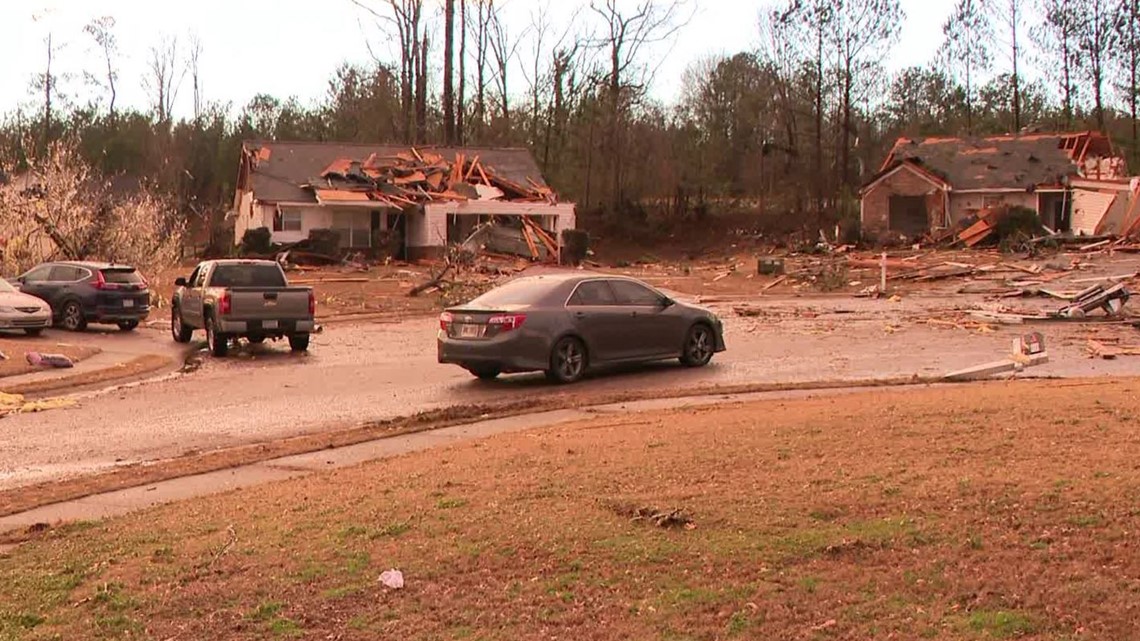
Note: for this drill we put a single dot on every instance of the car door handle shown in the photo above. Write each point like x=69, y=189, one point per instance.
x=579, y=315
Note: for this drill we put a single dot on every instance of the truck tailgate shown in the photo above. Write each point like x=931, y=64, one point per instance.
x=255, y=303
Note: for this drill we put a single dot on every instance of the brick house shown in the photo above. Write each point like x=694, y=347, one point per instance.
x=1076, y=182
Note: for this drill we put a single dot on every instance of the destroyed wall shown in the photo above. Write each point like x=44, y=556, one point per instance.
x=963, y=206
x=427, y=230
x=875, y=208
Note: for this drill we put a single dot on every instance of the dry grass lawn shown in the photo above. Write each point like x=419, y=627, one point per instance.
x=974, y=512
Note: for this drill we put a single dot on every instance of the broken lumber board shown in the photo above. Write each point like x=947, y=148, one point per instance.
x=996, y=317
x=1098, y=349
x=957, y=271
x=994, y=368
x=530, y=242
x=1092, y=246
x=977, y=232
x=775, y=282
x=1106, y=278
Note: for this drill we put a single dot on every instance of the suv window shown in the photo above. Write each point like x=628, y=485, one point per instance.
x=246, y=275
x=592, y=292
x=38, y=275
x=65, y=274
x=122, y=276
x=631, y=293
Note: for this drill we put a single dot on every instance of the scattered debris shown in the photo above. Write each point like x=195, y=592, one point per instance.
x=37, y=359
x=392, y=579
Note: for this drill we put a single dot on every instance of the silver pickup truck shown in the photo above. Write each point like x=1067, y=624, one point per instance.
x=248, y=299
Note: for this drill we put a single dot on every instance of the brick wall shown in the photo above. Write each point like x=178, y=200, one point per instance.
x=876, y=205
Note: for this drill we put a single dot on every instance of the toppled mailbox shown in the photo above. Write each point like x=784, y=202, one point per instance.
x=1028, y=351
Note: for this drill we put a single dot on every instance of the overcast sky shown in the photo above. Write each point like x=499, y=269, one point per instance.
x=291, y=47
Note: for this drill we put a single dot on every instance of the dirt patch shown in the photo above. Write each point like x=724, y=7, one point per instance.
x=16, y=349
x=973, y=512
x=138, y=366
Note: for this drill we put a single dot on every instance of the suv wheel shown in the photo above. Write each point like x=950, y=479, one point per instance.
x=72, y=317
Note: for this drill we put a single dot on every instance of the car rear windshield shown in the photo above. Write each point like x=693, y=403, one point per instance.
x=247, y=276
x=525, y=291
x=122, y=276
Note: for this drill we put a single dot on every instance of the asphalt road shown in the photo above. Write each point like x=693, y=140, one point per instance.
x=357, y=373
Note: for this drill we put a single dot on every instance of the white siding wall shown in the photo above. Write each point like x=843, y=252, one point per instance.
x=962, y=205
x=1089, y=207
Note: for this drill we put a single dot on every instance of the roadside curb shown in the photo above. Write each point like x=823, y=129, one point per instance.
x=145, y=485
x=136, y=367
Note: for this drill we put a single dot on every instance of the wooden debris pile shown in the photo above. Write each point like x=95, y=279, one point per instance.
x=414, y=178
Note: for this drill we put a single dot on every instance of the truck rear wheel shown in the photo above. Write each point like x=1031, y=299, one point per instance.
x=299, y=342
x=219, y=343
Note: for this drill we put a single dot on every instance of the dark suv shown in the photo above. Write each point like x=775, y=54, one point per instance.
x=86, y=292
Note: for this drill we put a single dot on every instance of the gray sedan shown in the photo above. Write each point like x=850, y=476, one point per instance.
x=565, y=324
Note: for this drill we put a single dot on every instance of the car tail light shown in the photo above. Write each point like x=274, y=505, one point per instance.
x=507, y=322
x=445, y=321
x=225, y=304
x=312, y=304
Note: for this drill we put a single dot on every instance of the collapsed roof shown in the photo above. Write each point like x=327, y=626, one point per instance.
x=388, y=175
x=1005, y=162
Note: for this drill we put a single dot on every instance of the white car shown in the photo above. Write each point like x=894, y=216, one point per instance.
x=22, y=311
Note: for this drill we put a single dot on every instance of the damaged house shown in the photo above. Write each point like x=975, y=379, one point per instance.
x=417, y=202
x=1076, y=182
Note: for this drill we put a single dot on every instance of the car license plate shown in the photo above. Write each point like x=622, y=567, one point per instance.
x=470, y=331
x=269, y=324
x=128, y=303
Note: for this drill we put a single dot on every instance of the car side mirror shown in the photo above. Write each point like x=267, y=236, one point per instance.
x=667, y=302
x=179, y=282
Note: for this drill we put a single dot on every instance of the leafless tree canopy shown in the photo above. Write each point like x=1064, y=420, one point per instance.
x=165, y=72
x=62, y=209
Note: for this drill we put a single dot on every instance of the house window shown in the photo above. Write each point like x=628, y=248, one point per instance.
x=287, y=220
x=990, y=202
x=354, y=227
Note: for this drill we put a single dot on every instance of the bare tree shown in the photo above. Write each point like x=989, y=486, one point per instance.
x=449, y=72
x=484, y=10
x=68, y=210
x=1009, y=16
x=967, y=37
x=1058, y=38
x=1097, y=37
x=504, y=48
x=164, y=77
x=625, y=37
x=862, y=29
x=461, y=102
x=102, y=32
x=1129, y=26
x=407, y=17
x=194, y=60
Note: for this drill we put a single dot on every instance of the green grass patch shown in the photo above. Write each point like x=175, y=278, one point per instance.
x=1000, y=624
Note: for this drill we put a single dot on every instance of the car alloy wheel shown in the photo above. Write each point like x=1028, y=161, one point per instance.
x=569, y=362
x=73, y=317
x=698, y=346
